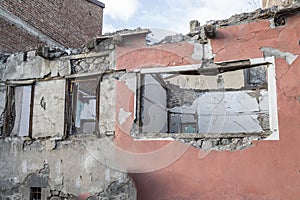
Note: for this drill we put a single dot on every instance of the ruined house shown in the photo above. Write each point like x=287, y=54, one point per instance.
x=27, y=24
x=209, y=115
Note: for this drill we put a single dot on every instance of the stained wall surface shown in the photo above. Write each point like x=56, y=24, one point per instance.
x=268, y=170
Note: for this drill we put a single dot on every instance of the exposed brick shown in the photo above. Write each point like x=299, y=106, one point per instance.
x=14, y=39
x=71, y=23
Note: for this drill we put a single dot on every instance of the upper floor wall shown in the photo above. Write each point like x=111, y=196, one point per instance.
x=29, y=24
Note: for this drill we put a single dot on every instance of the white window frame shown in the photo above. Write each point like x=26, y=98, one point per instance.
x=273, y=111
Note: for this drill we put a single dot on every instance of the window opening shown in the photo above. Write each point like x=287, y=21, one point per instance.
x=84, y=105
x=236, y=101
x=18, y=110
x=35, y=193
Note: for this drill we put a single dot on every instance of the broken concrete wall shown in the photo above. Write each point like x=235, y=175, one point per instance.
x=49, y=97
x=107, y=105
x=99, y=56
x=22, y=66
x=17, y=67
x=49, y=62
x=172, y=51
x=200, y=52
x=64, y=169
x=63, y=166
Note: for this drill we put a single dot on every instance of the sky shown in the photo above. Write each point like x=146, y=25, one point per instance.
x=173, y=15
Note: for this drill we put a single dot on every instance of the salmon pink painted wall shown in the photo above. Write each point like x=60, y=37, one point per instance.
x=269, y=170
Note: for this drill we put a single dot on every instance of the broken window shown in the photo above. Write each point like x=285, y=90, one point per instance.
x=35, y=193
x=256, y=76
x=232, y=99
x=84, y=105
x=18, y=110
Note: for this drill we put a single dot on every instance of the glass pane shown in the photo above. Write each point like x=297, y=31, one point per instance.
x=258, y=75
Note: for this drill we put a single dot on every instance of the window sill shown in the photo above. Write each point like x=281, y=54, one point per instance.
x=176, y=136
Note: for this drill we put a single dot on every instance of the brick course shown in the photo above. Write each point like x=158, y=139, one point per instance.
x=13, y=39
x=69, y=22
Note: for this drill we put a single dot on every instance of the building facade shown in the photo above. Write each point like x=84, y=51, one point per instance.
x=209, y=115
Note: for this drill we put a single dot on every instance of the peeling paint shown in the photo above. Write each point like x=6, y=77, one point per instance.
x=123, y=115
x=130, y=81
x=270, y=51
x=107, y=106
x=201, y=51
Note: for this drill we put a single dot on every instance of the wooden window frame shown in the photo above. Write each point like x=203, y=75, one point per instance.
x=8, y=125
x=35, y=191
x=69, y=123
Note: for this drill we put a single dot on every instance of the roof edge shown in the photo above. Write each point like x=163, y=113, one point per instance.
x=98, y=3
x=259, y=14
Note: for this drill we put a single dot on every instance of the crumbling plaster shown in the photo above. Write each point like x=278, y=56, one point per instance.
x=48, y=109
x=107, y=106
x=268, y=170
x=170, y=51
x=269, y=51
x=47, y=70
x=66, y=175
x=22, y=66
